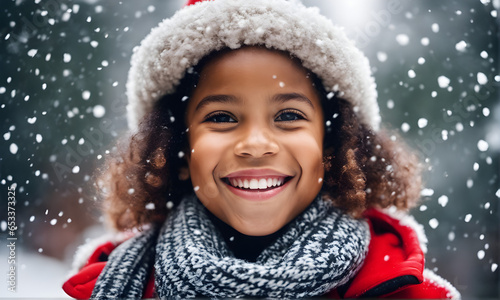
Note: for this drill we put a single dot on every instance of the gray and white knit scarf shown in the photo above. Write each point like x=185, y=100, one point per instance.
x=320, y=250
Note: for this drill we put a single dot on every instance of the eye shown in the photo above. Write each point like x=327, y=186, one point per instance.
x=219, y=117
x=290, y=116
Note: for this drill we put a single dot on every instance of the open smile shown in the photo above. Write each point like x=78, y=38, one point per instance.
x=256, y=184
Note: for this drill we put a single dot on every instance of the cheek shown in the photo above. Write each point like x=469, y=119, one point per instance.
x=207, y=155
x=310, y=158
x=203, y=156
x=308, y=151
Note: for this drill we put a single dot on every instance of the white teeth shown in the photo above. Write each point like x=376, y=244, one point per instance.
x=262, y=184
x=256, y=184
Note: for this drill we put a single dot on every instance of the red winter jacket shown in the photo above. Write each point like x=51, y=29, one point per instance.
x=393, y=268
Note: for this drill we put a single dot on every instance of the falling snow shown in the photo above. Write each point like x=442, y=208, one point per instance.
x=32, y=52
x=494, y=267
x=390, y=104
x=381, y=56
x=422, y=122
x=443, y=82
x=470, y=183
x=98, y=111
x=443, y=200
x=482, y=145
x=86, y=95
x=467, y=218
x=481, y=78
x=435, y=27
x=433, y=223
x=67, y=57
x=405, y=127
x=403, y=39
x=461, y=46
x=427, y=192
x=13, y=148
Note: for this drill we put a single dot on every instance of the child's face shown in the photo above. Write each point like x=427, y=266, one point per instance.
x=256, y=136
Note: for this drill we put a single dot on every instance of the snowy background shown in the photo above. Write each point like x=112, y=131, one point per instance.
x=63, y=67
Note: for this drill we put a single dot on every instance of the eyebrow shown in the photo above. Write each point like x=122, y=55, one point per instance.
x=281, y=98
x=215, y=99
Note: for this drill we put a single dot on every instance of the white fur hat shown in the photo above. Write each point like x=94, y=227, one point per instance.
x=180, y=42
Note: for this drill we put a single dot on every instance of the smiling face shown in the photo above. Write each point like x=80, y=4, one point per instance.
x=256, y=137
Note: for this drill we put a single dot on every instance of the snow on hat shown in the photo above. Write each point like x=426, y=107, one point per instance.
x=178, y=43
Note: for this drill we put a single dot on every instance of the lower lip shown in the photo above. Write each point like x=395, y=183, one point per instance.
x=257, y=195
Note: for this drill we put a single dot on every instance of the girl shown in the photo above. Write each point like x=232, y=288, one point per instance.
x=257, y=167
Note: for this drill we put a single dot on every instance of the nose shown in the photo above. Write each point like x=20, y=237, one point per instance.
x=256, y=142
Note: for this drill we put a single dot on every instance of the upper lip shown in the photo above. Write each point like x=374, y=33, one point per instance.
x=256, y=173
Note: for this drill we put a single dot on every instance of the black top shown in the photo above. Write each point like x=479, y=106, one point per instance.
x=244, y=246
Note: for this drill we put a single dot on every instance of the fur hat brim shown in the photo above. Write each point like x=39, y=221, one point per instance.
x=180, y=42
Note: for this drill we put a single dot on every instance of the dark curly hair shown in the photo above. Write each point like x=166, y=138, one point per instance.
x=148, y=174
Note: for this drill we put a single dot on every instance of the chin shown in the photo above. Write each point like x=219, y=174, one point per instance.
x=257, y=228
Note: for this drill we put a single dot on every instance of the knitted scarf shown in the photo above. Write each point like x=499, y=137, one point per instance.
x=321, y=249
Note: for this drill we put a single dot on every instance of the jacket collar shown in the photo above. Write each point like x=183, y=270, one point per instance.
x=395, y=257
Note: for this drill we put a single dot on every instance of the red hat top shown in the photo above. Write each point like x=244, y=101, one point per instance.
x=190, y=2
